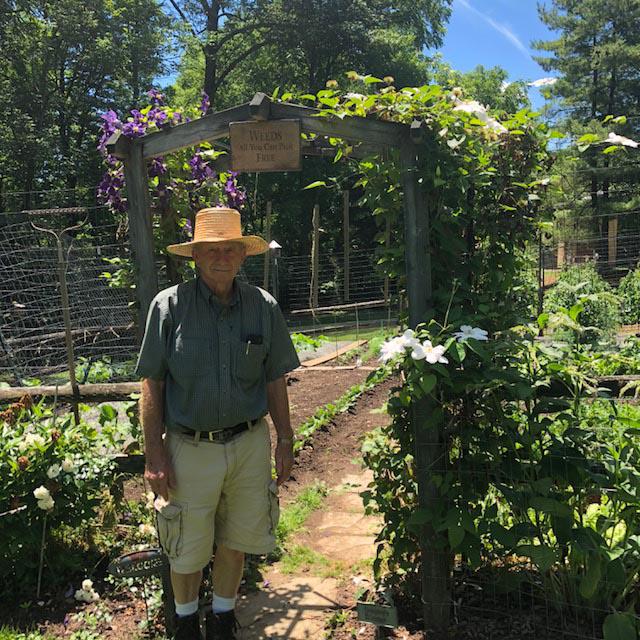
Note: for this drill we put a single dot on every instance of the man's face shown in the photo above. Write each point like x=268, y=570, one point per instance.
x=219, y=261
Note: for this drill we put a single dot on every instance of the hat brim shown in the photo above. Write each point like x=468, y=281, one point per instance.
x=254, y=245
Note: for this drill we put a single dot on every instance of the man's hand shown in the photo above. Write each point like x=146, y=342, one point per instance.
x=278, y=403
x=159, y=473
x=284, y=461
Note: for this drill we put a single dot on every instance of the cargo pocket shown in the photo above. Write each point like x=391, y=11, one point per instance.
x=170, y=529
x=274, y=506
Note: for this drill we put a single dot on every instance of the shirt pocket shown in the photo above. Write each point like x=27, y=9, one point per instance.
x=249, y=363
x=191, y=357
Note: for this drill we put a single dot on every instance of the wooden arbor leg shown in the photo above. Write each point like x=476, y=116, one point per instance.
x=429, y=442
x=140, y=230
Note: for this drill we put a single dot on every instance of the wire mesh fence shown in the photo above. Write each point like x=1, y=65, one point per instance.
x=103, y=320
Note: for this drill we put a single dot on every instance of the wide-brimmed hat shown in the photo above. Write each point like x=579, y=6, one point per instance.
x=219, y=224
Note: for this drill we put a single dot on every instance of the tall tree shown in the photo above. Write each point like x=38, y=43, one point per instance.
x=306, y=42
x=597, y=53
x=64, y=62
x=597, y=56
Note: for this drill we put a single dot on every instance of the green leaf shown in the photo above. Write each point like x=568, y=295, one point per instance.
x=456, y=536
x=107, y=413
x=590, y=581
x=317, y=183
x=611, y=149
x=372, y=80
x=428, y=383
x=551, y=506
x=541, y=555
x=619, y=626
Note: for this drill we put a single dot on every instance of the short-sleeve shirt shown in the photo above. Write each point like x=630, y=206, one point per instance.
x=214, y=359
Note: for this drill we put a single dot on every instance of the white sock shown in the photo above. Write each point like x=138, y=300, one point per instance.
x=221, y=605
x=186, y=609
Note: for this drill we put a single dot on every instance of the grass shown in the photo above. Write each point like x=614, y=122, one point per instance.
x=8, y=633
x=294, y=515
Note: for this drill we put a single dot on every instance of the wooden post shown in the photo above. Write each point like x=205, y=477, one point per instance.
x=426, y=416
x=561, y=257
x=267, y=255
x=387, y=241
x=346, y=242
x=140, y=231
x=613, y=241
x=315, y=258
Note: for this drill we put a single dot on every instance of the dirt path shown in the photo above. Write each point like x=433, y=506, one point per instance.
x=338, y=540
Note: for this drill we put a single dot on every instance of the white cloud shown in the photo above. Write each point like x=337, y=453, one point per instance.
x=501, y=28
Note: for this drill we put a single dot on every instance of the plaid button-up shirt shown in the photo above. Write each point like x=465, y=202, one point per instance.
x=215, y=360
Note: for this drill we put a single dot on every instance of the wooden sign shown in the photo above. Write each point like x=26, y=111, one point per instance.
x=269, y=145
x=379, y=614
x=139, y=564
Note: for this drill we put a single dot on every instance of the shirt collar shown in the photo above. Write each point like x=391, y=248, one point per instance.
x=211, y=297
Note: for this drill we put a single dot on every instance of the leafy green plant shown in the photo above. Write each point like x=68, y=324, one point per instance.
x=55, y=478
x=582, y=284
x=302, y=342
x=629, y=294
x=530, y=470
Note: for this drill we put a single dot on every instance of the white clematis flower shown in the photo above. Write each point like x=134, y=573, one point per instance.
x=391, y=348
x=87, y=585
x=426, y=351
x=614, y=138
x=474, y=108
x=41, y=493
x=68, y=465
x=46, y=504
x=53, y=471
x=467, y=331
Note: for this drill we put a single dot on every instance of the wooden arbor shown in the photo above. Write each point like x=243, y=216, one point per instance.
x=372, y=136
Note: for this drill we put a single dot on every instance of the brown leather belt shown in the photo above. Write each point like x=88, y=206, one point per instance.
x=219, y=435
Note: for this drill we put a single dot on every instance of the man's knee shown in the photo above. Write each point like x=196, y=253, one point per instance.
x=230, y=555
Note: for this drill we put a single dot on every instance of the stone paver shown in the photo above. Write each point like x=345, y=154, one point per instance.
x=296, y=607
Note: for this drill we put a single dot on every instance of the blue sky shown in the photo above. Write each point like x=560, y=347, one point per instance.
x=496, y=33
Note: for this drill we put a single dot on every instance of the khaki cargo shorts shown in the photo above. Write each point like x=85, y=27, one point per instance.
x=223, y=494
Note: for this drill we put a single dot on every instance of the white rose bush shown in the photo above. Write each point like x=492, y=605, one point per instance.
x=54, y=477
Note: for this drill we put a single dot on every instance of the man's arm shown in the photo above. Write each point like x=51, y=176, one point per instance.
x=158, y=469
x=278, y=403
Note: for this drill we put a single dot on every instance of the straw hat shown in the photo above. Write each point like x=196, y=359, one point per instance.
x=219, y=224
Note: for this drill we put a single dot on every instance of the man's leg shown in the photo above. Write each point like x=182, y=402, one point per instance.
x=186, y=586
x=226, y=574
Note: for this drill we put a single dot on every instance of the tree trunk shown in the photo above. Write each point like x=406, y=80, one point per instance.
x=210, y=61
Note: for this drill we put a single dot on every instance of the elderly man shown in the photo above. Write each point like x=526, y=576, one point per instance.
x=212, y=363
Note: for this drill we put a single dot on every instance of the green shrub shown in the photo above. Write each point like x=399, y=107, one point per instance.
x=629, y=295
x=582, y=284
x=70, y=470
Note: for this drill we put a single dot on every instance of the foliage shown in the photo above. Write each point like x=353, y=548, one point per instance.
x=629, y=295
x=529, y=470
x=71, y=471
x=237, y=48
x=301, y=341
x=64, y=62
x=582, y=284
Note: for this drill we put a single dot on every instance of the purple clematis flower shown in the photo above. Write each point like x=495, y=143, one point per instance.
x=155, y=96
x=205, y=104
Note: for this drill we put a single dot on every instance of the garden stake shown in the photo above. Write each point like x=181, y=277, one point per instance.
x=64, y=293
x=41, y=564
